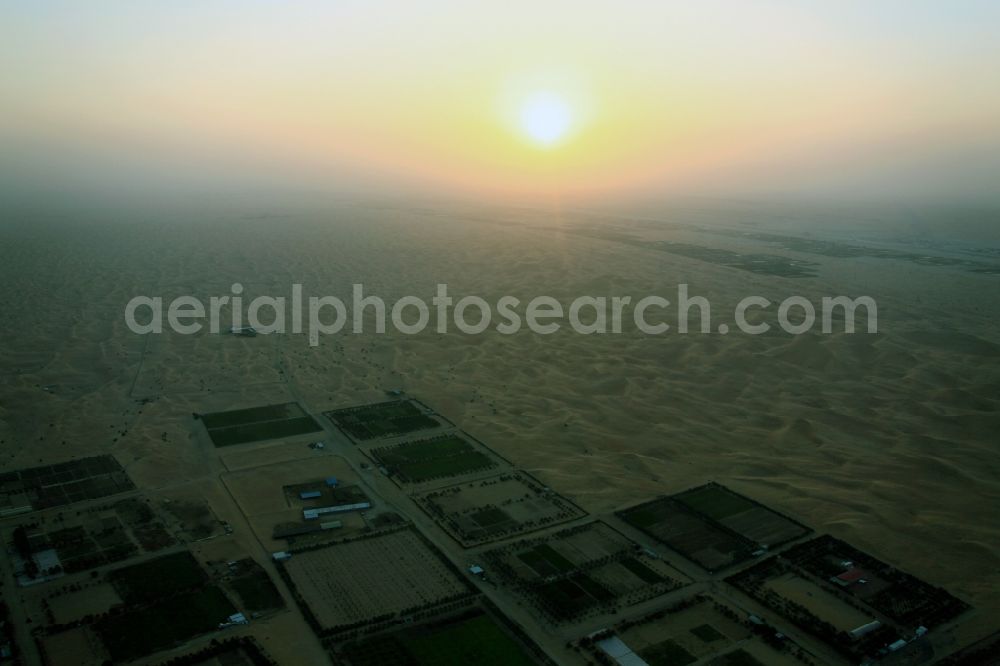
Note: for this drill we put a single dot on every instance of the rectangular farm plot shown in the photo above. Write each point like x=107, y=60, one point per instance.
x=385, y=419
x=234, y=651
x=79, y=646
x=435, y=458
x=164, y=623
x=700, y=540
x=258, y=424
x=696, y=630
x=89, y=601
x=92, y=537
x=357, y=581
x=472, y=638
x=742, y=515
x=139, y=609
x=159, y=577
x=825, y=606
x=192, y=518
x=896, y=594
x=497, y=507
x=271, y=498
x=256, y=592
x=830, y=589
x=581, y=571
x=48, y=486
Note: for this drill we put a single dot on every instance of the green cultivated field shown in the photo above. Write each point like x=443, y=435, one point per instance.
x=156, y=578
x=163, y=623
x=667, y=653
x=254, y=587
x=715, y=502
x=694, y=536
x=741, y=515
x=739, y=658
x=472, y=640
x=258, y=424
x=63, y=483
x=546, y=561
x=712, y=525
x=239, y=417
x=644, y=573
x=707, y=633
x=568, y=597
x=448, y=455
x=396, y=417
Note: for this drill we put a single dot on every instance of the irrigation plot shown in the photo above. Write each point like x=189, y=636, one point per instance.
x=581, y=571
x=385, y=419
x=372, y=577
x=421, y=462
x=497, y=507
x=474, y=637
x=699, y=629
x=257, y=424
x=713, y=526
x=46, y=486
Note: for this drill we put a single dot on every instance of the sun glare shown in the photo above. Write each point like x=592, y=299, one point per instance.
x=545, y=118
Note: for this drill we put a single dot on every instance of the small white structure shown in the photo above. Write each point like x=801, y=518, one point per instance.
x=865, y=629
x=898, y=645
x=476, y=570
x=623, y=655
x=313, y=514
x=234, y=620
x=15, y=510
x=246, y=331
x=281, y=556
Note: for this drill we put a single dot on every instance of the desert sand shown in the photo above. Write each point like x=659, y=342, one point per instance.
x=888, y=441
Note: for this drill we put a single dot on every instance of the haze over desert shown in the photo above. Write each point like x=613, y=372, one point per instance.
x=509, y=334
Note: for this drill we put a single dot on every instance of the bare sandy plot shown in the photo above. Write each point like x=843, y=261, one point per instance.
x=706, y=631
x=93, y=600
x=818, y=601
x=260, y=490
x=265, y=524
x=360, y=580
x=701, y=631
x=270, y=454
x=79, y=646
x=224, y=360
x=262, y=493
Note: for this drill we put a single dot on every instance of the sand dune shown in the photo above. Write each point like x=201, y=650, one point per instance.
x=888, y=441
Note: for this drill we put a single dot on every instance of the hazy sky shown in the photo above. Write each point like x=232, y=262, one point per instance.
x=514, y=98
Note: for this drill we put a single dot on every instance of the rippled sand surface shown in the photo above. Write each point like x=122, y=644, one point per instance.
x=889, y=441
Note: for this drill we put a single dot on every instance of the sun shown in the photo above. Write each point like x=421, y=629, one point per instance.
x=546, y=118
